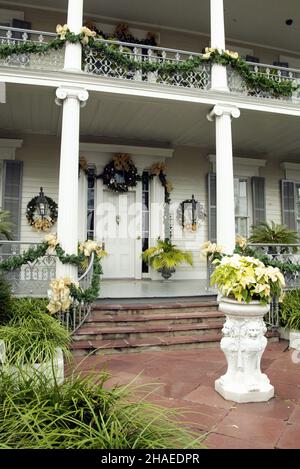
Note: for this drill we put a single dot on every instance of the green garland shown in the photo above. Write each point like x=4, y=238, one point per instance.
x=32, y=254
x=163, y=67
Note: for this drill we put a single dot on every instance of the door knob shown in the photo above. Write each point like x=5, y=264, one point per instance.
x=118, y=218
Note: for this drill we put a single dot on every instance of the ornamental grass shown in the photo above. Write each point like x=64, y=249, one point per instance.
x=82, y=414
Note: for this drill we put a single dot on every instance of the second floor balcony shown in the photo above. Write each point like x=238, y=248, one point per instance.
x=134, y=65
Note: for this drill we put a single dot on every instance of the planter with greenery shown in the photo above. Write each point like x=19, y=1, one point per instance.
x=32, y=342
x=165, y=257
x=246, y=287
x=290, y=318
x=272, y=233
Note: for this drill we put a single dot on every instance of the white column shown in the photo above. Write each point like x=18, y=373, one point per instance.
x=67, y=224
x=224, y=172
x=217, y=31
x=74, y=21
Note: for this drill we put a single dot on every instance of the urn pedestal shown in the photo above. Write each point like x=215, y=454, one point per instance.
x=243, y=344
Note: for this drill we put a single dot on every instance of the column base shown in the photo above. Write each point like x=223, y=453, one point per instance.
x=242, y=393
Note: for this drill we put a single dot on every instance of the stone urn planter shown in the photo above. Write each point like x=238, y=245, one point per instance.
x=243, y=345
x=167, y=273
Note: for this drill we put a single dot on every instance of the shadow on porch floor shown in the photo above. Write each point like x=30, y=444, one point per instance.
x=146, y=288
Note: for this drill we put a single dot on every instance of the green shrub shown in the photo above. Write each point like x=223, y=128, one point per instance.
x=82, y=414
x=5, y=300
x=290, y=310
x=32, y=335
x=273, y=234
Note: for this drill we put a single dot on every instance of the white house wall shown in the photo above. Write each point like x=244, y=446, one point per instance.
x=186, y=170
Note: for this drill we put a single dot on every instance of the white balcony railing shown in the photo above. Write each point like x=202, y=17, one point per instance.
x=239, y=86
x=95, y=62
x=52, y=60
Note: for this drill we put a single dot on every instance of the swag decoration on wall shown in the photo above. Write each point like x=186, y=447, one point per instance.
x=120, y=173
x=41, y=212
x=159, y=170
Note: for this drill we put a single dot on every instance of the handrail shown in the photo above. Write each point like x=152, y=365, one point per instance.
x=89, y=267
x=276, y=67
x=146, y=46
x=275, y=244
x=29, y=31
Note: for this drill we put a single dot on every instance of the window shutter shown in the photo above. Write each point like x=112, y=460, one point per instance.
x=12, y=190
x=258, y=199
x=288, y=204
x=212, y=207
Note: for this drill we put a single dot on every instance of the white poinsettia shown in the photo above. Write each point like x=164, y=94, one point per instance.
x=209, y=248
x=245, y=278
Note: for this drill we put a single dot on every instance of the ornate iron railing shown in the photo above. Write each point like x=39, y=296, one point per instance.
x=33, y=278
x=79, y=312
x=96, y=63
x=52, y=60
x=239, y=86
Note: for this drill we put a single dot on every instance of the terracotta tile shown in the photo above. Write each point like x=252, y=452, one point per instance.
x=275, y=408
x=207, y=395
x=283, y=376
x=295, y=416
x=251, y=427
x=217, y=441
x=290, y=439
x=198, y=416
x=287, y=391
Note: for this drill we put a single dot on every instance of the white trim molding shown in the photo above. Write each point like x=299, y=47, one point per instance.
x=133, y=150
x=292, y=170
x=8, y=148
x=242, y=166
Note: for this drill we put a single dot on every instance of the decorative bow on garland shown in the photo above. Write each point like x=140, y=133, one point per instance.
x=122, y=162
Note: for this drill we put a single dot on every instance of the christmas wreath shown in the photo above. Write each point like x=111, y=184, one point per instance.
x=120, y=174
x=39, y=222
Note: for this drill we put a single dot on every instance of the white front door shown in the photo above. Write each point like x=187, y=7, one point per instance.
x=118, y=227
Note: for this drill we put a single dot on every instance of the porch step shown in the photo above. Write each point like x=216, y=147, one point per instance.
x=150, y=344
x=100, y=319
x=134, y=327
x=164, y=330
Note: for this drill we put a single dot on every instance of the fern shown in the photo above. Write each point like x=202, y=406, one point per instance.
x=273, y=234
x=5, y=225
x=165, y=255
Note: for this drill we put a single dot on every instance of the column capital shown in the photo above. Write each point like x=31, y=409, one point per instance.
x=222, y=109
x=63, y=93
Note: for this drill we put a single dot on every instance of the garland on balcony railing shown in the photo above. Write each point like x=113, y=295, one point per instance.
x=52, y=246
x=255, y=81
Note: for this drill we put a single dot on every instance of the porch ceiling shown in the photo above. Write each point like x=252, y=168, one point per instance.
x=256, y=21
x=149, y=122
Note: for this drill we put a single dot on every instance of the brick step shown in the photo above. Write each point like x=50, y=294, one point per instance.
x=143, y=331
x=85, y=347
x=147, y=344
x=99, y=319
x=155, y=308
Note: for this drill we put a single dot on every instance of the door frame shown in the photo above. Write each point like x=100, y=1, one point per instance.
x=99, y=155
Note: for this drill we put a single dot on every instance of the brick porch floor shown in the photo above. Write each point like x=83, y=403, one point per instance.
x=185, y=380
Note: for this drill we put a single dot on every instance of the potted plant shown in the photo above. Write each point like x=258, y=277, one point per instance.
x=246, y=287
x=290, y=318
x=165, y=257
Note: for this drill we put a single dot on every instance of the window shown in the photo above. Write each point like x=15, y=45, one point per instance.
x=146, y=218
x=91, y=204
x=241, y=206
